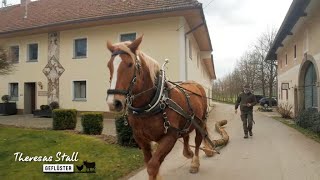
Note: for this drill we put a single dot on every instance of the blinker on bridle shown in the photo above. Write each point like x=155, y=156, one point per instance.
x=127, y=92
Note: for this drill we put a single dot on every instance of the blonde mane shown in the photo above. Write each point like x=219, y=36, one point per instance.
x=151, y=63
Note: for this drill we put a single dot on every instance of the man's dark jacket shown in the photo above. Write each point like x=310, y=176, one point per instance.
x=243, y=100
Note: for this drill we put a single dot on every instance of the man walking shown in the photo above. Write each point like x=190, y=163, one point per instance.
x=246, y=100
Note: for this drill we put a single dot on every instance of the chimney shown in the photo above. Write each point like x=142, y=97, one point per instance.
x=24, y=2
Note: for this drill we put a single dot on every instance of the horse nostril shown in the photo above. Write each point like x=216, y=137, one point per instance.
x=117, y=104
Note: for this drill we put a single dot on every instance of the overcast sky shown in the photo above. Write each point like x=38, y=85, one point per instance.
x=234, y=25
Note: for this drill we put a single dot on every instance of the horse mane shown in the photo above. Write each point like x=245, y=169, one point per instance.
x=151, y=63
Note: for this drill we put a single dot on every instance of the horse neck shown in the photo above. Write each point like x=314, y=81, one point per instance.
x=145, y=83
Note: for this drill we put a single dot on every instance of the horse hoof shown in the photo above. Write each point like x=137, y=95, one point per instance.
x=209, y=154
x=188, y=155
x=194, y=170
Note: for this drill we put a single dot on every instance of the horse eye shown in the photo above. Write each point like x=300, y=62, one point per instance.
x=130, y=65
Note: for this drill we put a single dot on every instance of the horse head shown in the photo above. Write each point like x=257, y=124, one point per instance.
x=128, y=72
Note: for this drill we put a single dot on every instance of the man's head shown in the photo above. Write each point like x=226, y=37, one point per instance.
x=246, y=89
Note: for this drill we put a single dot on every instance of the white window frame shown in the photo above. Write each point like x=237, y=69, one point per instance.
x=123, y=33
x=74, y=48
x=73, y=89
x=11, y=45
x=9, y=90
x=28, y=44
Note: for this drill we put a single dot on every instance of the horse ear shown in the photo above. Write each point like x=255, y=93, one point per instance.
x=135, y=44
x=110, y=46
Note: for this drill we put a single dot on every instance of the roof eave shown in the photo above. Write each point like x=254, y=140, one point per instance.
x=294, y=13
x=113, y=17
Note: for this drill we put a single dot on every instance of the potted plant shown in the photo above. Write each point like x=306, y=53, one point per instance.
x=7, y=108
x=46, y=110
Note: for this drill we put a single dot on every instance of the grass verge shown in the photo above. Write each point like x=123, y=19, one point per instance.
x=310, y=134
x=112, y=161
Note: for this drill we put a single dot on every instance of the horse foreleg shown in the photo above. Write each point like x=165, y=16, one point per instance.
x=146, y=149
x=165, y=145
x=195, y=164
x=187, y=152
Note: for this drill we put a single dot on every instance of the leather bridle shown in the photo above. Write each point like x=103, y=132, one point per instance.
x=127, y=92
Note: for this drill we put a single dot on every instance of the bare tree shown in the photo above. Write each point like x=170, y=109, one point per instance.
x=251, y=69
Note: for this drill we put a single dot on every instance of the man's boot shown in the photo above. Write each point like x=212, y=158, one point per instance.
x=246, y=135
x=250, y=133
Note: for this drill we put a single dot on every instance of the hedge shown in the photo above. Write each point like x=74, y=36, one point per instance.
x=64, y=119
x=92, y=123
x=309, y=119
x=124, y=133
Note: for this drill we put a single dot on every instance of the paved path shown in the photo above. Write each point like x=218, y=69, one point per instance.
x=275, y=152
x=29, y=121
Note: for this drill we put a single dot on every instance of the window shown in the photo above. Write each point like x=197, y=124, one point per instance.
x=80, y=48
x=286, y=59
x=190, y=50
x=128, y=37
x=79, y=90
x=14, y=91
x=14, y=54
x=295, y=51
x=33, y=52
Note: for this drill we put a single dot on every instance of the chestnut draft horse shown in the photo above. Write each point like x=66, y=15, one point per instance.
x=157, y=111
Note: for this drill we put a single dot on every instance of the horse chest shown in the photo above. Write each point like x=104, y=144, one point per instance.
x=149, y=128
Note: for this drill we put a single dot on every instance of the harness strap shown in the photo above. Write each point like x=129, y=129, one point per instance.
x=117, y=91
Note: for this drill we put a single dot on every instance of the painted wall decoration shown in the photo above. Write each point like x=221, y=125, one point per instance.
x=53, y=70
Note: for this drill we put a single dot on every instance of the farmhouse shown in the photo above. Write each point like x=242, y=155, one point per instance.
x=59, y=49
x=297, y=50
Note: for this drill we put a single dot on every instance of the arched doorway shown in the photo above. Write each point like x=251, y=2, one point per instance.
x=310, y=87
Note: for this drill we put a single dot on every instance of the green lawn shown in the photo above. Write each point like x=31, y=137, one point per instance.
x=112, y=161
x=306, y=132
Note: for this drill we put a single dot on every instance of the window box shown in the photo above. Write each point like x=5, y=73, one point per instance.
x=8, y=108
x=42, y=113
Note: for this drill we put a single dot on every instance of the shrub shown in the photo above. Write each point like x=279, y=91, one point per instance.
x=309, y=119
x=64, y=119
x=124, y=133
x=285, y=110
x=54, y=105
x=5, y=98
x=92, y=123
x=44, y=107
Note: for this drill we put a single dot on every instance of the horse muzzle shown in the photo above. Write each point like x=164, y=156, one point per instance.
x=116, y=105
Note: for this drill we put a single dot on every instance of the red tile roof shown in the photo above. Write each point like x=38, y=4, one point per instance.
x=42, y=13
